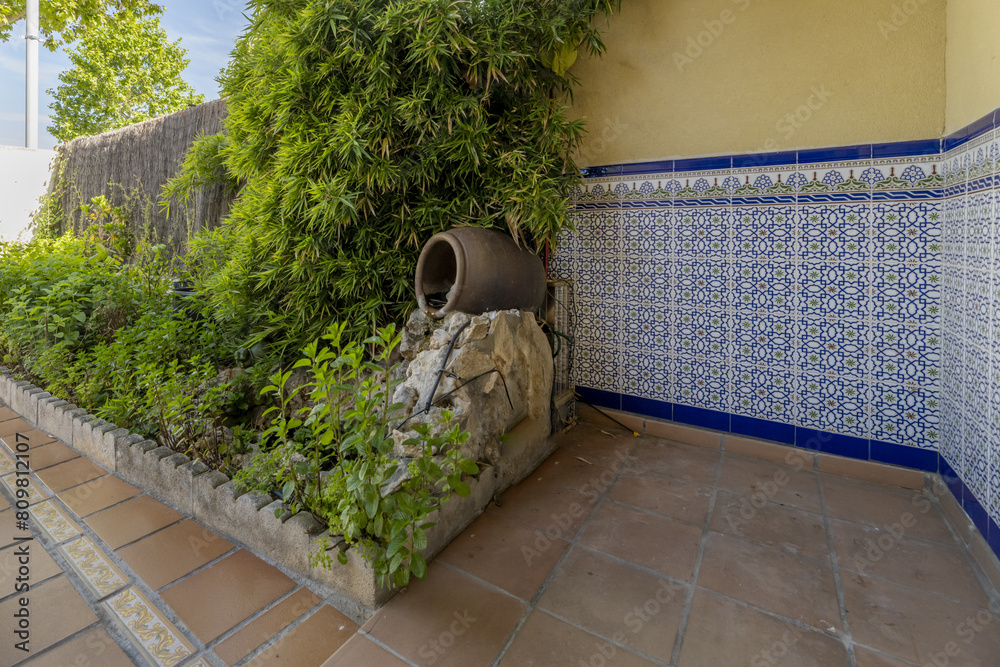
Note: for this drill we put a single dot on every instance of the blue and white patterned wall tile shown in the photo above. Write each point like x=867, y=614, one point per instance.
x=833, y=346
x=701, y=381
x=767, y=392
x=906, y=414
x=838, y=404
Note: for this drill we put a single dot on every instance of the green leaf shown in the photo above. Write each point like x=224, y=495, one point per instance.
x=418, y=565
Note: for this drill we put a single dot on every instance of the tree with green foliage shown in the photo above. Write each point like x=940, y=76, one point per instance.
x=124, y=72
x=359, y=128
x=64, y=21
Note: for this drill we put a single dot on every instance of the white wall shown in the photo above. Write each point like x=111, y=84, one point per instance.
x=24, y=174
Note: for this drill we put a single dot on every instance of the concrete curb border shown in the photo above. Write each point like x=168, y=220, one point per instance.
x=212, y=498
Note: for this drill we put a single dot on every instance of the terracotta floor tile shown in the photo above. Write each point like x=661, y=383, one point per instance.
x=591, y=442
x=696, y=464
x=49, y=455
x=779, y=526
x=98, y=494
x=546, y=506
x=916, y=626
x=94, y=647
x=275, y=619
x=311, y=643
x=8, y=528
x=861, y=502
x=794, y=587
x=602, y=595
x=545, y=641
x=131, y=520
x=359, y=651
x=563, y=468
x=3, y=503
x=7, y=413
x=449, y=620
x=677, y=498
x=33, y=437
x=11, y=426
x=760, y=480
x=725, y=633
x=40, y=564
x=63, y=476
x=226, y=593
x=869, y=658
x=929, y=566
x=655, y=542
x=169, y=554
x=509, y=555
x=56, y=612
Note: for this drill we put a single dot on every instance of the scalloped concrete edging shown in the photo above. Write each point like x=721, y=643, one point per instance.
x=248, y=518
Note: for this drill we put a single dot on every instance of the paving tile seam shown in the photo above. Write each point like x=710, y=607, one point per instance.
x=984, y=579
x=847, y=638
x=100, y=603
x=261, y=612
x=281, y=634
x=675, y=655
x=880, y=652
x=215, y=561
x=611, y=640
x=387, y=649
x=658, y=515
x=533, y=603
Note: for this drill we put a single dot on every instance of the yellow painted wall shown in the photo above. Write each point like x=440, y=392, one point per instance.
x=873, y=71
x=973, y=61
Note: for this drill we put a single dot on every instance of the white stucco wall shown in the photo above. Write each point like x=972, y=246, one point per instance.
x=24, y=173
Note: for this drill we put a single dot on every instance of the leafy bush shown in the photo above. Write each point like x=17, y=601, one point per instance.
x=359, y=128
x=332, y=456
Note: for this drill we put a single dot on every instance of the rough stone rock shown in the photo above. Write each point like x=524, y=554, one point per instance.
x=510, y=342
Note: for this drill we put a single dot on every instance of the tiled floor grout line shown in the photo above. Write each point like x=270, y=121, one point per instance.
x=165, y=587
x=132, y=579
x=257, y=614
x=572, y=543
x=278, y=636
x=847, y=640
x=675, y=656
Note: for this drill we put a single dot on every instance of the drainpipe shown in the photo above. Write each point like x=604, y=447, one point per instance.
x=31, y=76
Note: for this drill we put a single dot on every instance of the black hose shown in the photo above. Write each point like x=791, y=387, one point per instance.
x=583, y=400
x=444, y=362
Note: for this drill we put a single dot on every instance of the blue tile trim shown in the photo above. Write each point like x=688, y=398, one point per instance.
x=993, y=539
x=764, y=159
x=901, y=455
x=981, y=126
x=686, y=414
x=841, y=154
x=601, y=398
x=976, y=512
x=703, y=164
x=820, y=441
x=832, y=443
x=648, y=407
x=907, y=148
x=662, y=166
x=951, y=479
x=761, y=428
x=606, y=170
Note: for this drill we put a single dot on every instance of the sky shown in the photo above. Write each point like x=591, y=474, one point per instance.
x=207, y=29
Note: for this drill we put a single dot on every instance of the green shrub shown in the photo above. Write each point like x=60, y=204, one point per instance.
x=332, y=456
x=359, y=128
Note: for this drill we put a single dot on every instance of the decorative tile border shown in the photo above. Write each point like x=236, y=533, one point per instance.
x=37, y=492
x=53, y=522
x=157, y=637
x=101, y=575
